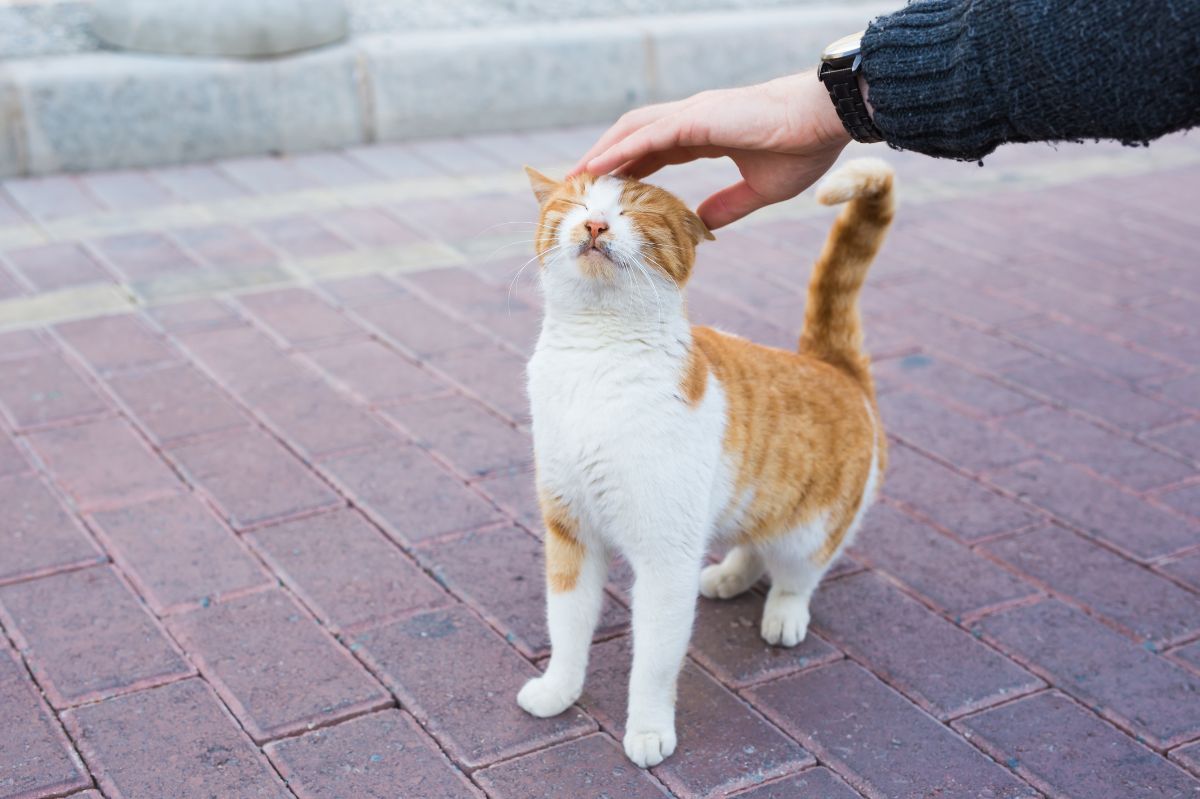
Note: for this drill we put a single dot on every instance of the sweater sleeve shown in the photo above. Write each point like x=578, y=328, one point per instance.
x=957, y=78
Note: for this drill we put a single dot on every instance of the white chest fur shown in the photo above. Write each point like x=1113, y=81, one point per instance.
x=612, y=430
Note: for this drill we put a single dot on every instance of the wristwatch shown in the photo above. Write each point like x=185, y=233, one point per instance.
x=840, y=63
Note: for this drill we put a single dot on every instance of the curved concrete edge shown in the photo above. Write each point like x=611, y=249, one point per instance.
x=115, y=110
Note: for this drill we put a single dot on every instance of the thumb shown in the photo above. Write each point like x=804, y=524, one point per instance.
x=730, y=204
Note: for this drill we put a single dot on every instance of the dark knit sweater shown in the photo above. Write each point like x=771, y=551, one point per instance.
x=957, y=78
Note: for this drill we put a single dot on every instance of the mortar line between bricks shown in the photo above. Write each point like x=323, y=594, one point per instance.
x=1050, y=515
x=919, y=701
x=429, y=367
x=240, y=209
x=1107, y=713
x=51, y=711
x=411, y=709
x=821, y=753
x=1159, y=645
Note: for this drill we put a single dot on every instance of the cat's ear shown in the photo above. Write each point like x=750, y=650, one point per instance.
x=696, y=227
x=543, y=186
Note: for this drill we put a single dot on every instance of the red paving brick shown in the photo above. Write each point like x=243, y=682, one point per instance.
x=274, y=666
x=944, y=572
x=1109, y=673
x=252, y=478
x=57, y=266
x=495, y=376
x=303, y=409
x=975, y=394
x=468, y=699
x=51, y=196
x=302, y=236
x=935, y=428
x=1182, y=439
x=723, y=745
x=492, y=571
x=1189, y=757
x=41, y=389
x=36, y=759
x=129, y=471
x=816, y=782
x=408, y=494
x=176, y=740
x=942, y=668
x=1096, y=396
x=880, y=743
x=506, y=314
x=1063, y=750
x=177, y=553
x=1185, y=569
x=1031, y=369
x=115, y=343
x=383, y=754
x=346, y=570
x=360, y=290
x=594, y=767
x=1144, y=603
x=193, y=315
x=464, y=433
x=143, y=256
x=370, y=227
x=86, y=636
x=1099, y=509
x=1109, y=454
x=415, y=327
x=37, y=534
x=1189, y=655
x=226, y=246
x=515, y=493
x=727, y=641
x=1185, y=499
x=175, y=403
x=375, y=373
x=298, y=317
x=12, y=460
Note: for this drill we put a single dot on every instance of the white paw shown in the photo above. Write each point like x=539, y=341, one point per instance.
x=648, y=748
x=720, y=582
x=544, y=699
x=785, y=621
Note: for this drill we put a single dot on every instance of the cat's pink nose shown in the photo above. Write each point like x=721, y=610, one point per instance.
x=596, y=226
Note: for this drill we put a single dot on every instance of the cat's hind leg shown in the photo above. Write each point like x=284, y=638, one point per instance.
x=734, y=575
x=796, y=570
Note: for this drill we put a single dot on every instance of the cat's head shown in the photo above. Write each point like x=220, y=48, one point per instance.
x=605, y=237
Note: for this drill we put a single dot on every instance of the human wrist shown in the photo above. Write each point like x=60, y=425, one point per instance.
x=865, y=91
x=817, y=106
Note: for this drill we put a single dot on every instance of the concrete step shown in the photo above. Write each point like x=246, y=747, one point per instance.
x=94, y=110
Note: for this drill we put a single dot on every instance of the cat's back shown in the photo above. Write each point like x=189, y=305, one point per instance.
x=802, y=436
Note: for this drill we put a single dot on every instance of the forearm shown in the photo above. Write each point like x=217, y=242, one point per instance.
x=957, y=78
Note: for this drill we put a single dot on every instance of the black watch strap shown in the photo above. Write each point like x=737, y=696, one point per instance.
x=841, y=80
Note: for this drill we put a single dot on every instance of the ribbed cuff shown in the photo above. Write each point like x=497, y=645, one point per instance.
x=927, y=84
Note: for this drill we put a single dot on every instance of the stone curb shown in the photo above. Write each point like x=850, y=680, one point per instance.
x=118, y=110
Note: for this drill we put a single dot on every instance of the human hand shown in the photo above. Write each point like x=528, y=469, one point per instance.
x=783, y=135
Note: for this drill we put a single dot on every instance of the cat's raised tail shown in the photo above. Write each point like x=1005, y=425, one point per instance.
x=832, y=325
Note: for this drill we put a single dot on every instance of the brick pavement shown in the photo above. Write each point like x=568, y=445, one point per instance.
x=267, y=525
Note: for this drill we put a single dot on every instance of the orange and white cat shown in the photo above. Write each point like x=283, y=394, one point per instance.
x=656, y=438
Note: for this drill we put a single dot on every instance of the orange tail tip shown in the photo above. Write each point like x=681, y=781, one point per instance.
x=832, y=326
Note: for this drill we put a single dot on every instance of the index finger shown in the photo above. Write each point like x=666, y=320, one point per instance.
x=623, y=127
x=666, y=133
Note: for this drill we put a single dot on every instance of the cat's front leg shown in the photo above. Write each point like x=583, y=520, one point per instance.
x=575, y=575
x=664, y=606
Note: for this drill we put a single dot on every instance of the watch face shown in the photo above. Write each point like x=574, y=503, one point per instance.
x=847, y=45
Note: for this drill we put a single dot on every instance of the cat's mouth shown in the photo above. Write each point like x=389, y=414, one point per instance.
x=598, y=250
